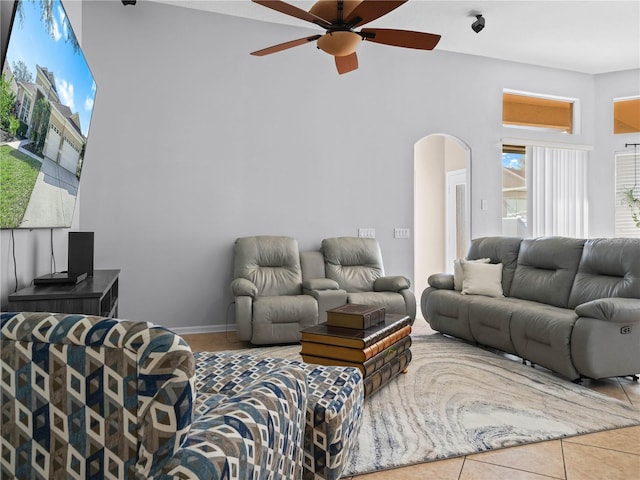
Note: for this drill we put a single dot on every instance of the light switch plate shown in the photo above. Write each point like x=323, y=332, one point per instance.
x=402, y=233
x=367, y=232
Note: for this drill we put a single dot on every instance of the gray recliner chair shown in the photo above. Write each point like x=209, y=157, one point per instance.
x=356, y=265
x=270, y=304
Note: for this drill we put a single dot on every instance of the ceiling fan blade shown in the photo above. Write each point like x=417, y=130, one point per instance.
x=347, y=64
x=285, y=46
x=369, y=10
x=294, y=11
x=401, y=38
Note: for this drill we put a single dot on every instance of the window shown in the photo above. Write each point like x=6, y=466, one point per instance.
x=537, y=112
x=26, y=107
x=626, y=115
x=544, y=191
x=514, y=191
x=627, y=183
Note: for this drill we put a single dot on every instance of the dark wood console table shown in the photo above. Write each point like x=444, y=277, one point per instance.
x=97, y=295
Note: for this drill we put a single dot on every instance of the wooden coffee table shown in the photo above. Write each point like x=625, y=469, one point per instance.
x=380, y=353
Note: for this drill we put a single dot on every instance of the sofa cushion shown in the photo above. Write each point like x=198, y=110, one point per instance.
x=271, y=263
x=502, y=250
x=482, y=279
x=542, y=334
x=609, y=267
x=458, y=274
x=355, y=263
x=546, y=269
x=489, y=320
x=448, y=311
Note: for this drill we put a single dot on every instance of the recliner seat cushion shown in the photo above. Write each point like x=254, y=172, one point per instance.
x=355, y=263
x=546, y=269
x=301, y=309
x=610, y=267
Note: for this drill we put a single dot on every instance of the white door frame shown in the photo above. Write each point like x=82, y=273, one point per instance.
x=454, y=178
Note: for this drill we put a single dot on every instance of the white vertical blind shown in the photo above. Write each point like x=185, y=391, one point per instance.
x=558, y=193
x=627, y=176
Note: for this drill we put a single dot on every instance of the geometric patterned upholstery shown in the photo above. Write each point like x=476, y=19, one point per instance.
x=93, y=397
x=335, y=400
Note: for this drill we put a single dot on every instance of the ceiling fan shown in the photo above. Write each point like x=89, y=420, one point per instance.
x=340, y=18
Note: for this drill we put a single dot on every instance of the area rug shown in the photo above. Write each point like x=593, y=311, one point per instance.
x=457, y=399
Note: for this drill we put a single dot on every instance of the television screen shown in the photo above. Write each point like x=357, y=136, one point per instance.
x=46, y=102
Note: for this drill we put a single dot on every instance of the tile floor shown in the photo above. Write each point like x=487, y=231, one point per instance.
x=611, y=455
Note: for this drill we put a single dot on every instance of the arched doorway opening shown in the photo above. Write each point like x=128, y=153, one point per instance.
x=442, y=205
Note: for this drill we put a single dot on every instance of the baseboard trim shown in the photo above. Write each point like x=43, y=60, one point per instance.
x=202, y=329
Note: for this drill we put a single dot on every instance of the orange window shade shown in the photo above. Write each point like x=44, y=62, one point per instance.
x=626, y=116
x=522, y=110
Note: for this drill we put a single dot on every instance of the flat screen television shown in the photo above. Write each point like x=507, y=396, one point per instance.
x=47, y=92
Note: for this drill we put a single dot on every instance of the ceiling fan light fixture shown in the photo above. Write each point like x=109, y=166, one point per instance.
x=340, y=43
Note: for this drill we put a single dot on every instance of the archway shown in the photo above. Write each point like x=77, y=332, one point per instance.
x=442, y=193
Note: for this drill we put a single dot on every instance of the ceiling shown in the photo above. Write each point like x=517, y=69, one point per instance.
x=584, y=36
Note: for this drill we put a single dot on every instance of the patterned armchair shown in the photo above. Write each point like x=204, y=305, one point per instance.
x=92, y=397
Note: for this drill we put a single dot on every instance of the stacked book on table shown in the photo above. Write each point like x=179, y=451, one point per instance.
x=364, y=337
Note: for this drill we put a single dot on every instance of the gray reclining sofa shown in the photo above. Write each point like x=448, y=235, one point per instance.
x=278, y=290
x=570, y=305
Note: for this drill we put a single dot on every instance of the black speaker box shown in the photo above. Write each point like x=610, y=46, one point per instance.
x=80, y=253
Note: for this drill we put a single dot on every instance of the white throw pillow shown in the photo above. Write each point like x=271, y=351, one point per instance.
x=482, y=279
x=457, y=271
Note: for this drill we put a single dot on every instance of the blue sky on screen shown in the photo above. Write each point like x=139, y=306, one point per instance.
x=34, y=43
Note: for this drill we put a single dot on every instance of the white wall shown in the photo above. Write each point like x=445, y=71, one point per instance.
x=33, y=247
x=602, y=173
x=429, y=208
x=195, y=143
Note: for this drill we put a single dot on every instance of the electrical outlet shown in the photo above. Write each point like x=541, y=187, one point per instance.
x=625, y=330
x=367, y=232
x=402, y=233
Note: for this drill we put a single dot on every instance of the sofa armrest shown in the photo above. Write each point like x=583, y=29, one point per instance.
x=266, y=418
x=617, y=310
x=442, y=281
x=243, y=287
x=244, y=317
x=391, y=284
x=320, y=284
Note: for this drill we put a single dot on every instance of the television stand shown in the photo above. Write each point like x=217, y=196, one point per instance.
x=97, y=295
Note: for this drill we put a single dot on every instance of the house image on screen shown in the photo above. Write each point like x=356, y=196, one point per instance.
x=64, y=140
